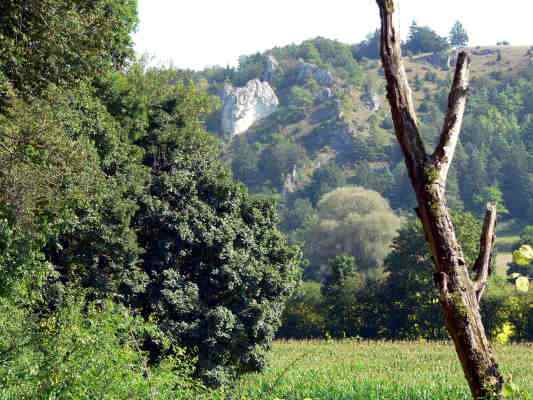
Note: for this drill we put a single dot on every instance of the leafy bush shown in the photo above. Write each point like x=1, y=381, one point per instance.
x=304, y=317
x=507, y=313
x=85, y=352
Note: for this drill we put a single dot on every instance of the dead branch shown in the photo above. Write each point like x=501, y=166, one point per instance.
x=449, y=137
x=482, y=266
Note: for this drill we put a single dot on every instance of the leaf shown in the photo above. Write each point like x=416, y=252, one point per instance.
x=522, y=284
x=523, y=256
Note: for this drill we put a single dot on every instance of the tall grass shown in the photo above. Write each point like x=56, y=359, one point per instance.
x=361, y=370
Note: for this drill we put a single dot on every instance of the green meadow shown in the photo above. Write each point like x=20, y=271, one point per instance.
x=362, y=370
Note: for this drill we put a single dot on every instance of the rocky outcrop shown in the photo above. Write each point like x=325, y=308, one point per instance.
x=270, y=67
x=291, y=182
x=325, y=94
x=242, y=107
x=372, y=101
x=226, y=91
x=308, y=70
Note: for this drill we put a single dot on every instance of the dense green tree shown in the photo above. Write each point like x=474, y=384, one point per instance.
x=62, y=42
x=475, y=178
x=377, y=180
x=528, y=133
x=516, y=186
x=413, y=310
x=304, y=317
x=244, y=163
x=369, y=48
x=334, y=52
x=72, y=180
x=423, y=39
x=458, y=35
x=399, y=194
x=72, y=186
x=338, y=288
x=218, y=271
x=301, y=97
x=97, y=245
x=309, y=53
x=298, y=216
x=493, y=195
x=324, y=180
x=278, y=160
x=250, y=67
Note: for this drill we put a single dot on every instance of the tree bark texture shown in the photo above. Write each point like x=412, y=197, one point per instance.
x=460, y=290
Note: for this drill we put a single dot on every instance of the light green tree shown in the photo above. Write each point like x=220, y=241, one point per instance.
x=353, y=221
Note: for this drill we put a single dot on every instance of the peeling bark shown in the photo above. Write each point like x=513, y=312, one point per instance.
x=460, y=294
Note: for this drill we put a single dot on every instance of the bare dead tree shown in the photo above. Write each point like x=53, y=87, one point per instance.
x=460, y=291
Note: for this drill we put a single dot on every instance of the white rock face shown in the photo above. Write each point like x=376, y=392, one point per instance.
x=374, y=102
x=291, y=182
x=242, y=107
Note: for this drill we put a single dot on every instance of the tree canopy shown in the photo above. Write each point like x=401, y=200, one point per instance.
x=423, y=39
x=458, y=35
x=352, y=221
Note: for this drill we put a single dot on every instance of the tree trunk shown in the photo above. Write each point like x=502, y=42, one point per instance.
x=460, y=293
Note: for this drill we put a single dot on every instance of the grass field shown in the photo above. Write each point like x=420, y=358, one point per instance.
x=356, y=370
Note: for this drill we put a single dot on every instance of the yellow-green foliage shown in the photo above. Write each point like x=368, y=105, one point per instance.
x=523, y=256
x=353, y=221
x=522, y=284
x=505, y=333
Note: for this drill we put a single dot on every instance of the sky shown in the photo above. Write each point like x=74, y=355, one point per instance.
x=199, y=33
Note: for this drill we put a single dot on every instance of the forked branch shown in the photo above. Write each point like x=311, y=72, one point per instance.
x=428, y=176
x=398, y=90
x=482, y=267
x=454, y=117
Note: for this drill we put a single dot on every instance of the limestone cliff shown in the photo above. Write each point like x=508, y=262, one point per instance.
x=242, y=107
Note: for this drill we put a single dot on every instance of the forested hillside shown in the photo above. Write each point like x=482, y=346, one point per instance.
x=325, y=149
x=332, y=126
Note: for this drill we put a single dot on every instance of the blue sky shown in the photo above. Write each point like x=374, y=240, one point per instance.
x=198, y=33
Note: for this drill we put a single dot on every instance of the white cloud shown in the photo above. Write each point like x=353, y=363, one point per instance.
x=198, y=33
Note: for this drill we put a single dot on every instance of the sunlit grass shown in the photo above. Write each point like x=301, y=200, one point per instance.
x=354, y=370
